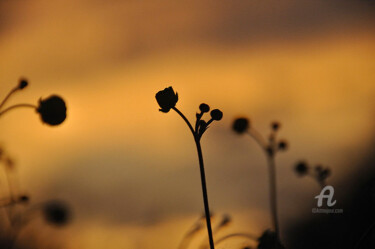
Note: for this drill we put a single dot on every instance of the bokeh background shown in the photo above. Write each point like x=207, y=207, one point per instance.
x=131, y=172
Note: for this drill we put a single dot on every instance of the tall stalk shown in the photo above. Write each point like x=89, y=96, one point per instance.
x=167, y=100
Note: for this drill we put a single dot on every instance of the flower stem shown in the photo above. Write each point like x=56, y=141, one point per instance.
x=242, y=235
x=203, y=178
x=273, y=195
x=8, y=96
x=17, y=106
x=272, y=175
x=205, y=196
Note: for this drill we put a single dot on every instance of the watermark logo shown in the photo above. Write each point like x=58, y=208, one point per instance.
x=326, y=194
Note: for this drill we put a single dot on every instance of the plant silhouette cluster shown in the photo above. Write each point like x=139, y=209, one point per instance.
x=53, y=112
x=271, y=145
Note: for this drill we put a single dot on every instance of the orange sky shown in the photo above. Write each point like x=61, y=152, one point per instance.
x=127, y=168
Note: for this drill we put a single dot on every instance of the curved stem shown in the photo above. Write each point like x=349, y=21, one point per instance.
x=8, y=96
x=185, y=242
x=185, y=119
x=243, y=235
x=357, y=246
x=257, y=137
x=17, y=106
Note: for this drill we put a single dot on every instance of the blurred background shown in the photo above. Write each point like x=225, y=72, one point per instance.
x=130, y=172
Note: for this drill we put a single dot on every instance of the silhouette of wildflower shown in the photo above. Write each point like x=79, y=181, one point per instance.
x=241, y=125
x=301, y=168
x=275, y=126
x=23, y=83
x=322, y=174
x=166, y=99
x=204, y=108
x=56, y=213
x=283, y=145
x=216, y=114
x=52, y=110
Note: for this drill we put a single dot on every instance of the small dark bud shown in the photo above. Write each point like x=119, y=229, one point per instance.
x=204, y=108
x=24, y=198
x=166, y=99
x=275, y=126
x=52, y=110
x=56, y=213
x=241, y=125
x=269, y=151
x=301, y=168
x=216, y=114
x=283, y=145
x=23, y=83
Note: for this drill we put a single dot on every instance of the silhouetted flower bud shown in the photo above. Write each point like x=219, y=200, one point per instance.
x=216, y=114
x=24, y=198
x=23, y=83
x=52, y=110
x=241, y=125
x=301, y=168
x=283, y=145
x=324, y=174
x=166, y=99
x=275, y=126
x=204, y=108
x=56, y=213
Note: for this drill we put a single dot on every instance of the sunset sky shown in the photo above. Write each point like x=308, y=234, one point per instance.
x=130, y=172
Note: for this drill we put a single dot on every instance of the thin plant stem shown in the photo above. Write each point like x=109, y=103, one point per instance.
x=205, y=195
x=203, y=179
x=273, y=195
x=242, y=235
x=8, y=96
x=185, y=119
x=366, y=233
x=17, y=106
x=272, y=175
x=185, y=242
x=257, y=137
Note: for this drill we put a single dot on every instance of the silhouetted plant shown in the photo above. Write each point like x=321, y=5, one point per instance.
x=167, y=100
x=318, y=173
x=56, y=213
x=271, y=147
x=52, y=110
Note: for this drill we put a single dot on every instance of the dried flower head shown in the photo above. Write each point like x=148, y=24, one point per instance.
x=52, y=110
x=241, y=125
x=166, y=99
